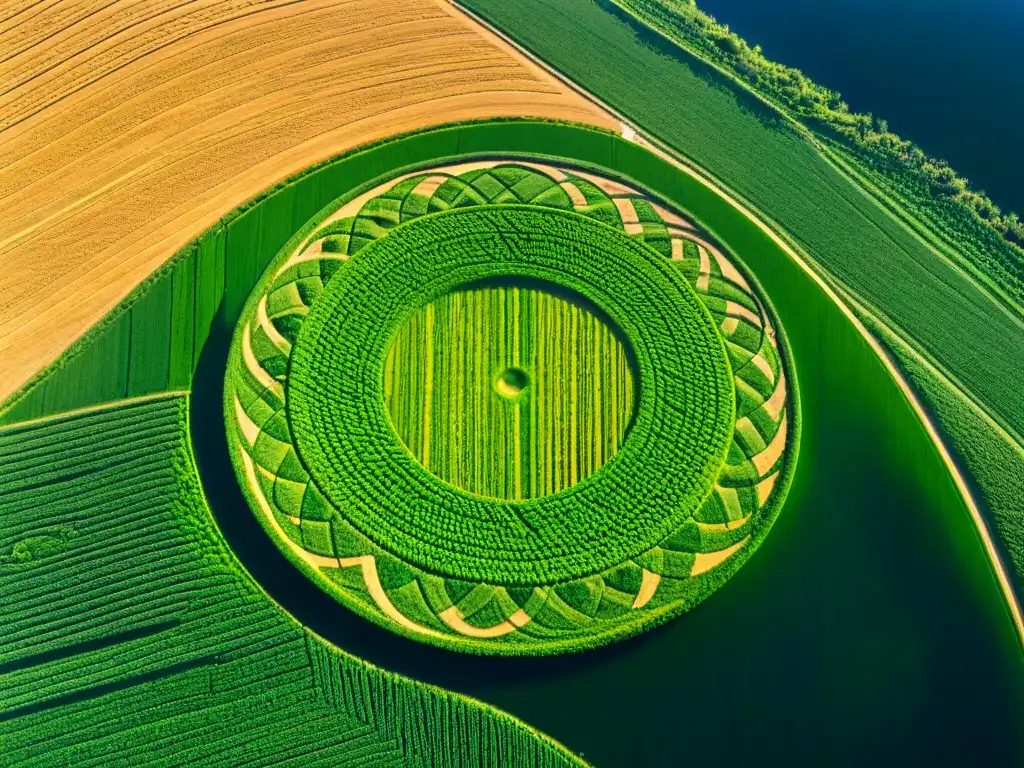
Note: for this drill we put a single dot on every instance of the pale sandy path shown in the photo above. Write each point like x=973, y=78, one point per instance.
x=126, y=133
x=666, y=153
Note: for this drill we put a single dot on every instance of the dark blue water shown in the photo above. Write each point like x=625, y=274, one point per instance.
x=946, y=74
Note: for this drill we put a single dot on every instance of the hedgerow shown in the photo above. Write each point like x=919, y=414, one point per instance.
x=994, y=240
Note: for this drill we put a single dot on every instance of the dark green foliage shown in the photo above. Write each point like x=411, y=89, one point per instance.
x=458, y=589
x=288, y=326
x=348, y=542
x=334, y=244
x=520, y=594
x=676, y=565
x=531, y=187
x=309, y=290
x=625, y=578
x=393, y=573
x=580, y=595
x=510, y=175
x=729, y=44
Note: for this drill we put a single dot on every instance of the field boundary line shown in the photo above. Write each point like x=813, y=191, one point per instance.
x=630, y=132
x=945, y=377
x=943, y=248
x=169, y=394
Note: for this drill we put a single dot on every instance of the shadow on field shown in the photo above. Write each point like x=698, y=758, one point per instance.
x=314, y=608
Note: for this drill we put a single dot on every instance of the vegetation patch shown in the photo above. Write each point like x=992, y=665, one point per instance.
x=508, y=391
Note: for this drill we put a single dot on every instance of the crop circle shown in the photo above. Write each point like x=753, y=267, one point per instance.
x=511, y=382
x=659, y=478
x=320, y=473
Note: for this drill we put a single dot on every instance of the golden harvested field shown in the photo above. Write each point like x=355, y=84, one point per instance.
x=128, y=128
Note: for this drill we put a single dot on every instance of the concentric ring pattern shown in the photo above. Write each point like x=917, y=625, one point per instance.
x=658, y=480
x=470, y=607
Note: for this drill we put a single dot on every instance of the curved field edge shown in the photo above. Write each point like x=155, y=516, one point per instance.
x=910, y=355
x=676, y=24
x=556, y=752
x=761, y=157
x=664, y=175
x=154, y=651
x=1000, y=505
x=174, y=122
x=704, y=584
x=773, y=267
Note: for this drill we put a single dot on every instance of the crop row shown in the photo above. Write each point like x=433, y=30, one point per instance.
x=565, y=419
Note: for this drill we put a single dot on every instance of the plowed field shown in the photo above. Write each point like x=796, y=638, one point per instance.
x=127, y=129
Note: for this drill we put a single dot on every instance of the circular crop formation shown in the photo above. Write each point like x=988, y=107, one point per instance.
x=508, y=407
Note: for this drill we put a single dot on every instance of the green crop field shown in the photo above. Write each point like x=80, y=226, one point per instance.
x=480, y=384
x=495, y=389
x=131, y=638
x=969, y=344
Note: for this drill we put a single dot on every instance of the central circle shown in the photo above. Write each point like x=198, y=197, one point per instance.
x=460, y=399
x=512, y=382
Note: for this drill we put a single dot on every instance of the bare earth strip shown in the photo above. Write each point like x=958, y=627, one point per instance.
x=151, y=120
